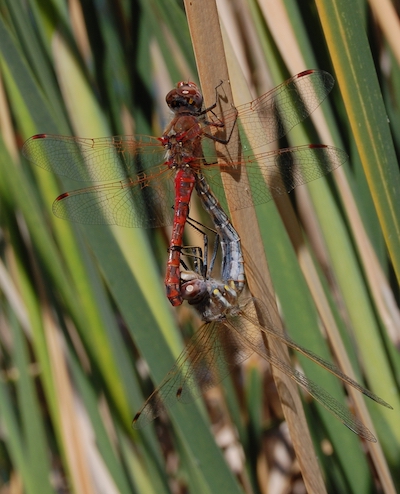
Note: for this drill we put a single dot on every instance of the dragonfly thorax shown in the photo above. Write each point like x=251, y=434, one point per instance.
x=182, y=141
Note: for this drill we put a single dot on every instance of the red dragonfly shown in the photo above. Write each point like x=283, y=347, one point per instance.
x=155, y=172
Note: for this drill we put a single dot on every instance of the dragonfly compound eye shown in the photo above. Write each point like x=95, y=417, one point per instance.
x=187, y=96
x=193, y=291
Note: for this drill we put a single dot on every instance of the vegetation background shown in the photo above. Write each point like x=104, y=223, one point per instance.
x=83, y=308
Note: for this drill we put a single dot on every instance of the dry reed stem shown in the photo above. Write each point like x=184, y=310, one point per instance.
x=212, y=67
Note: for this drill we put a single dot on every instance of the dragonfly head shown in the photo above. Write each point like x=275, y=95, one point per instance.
x=194, y=290
x=185, y=98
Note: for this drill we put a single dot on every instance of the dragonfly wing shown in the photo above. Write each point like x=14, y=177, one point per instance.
x=146, y=202
x=250, y=314
x=209, y=357
x=180, y=383
x=274, y=173
x=274, y=114
x=323, y=397
x=256, y=308
x=94, y=160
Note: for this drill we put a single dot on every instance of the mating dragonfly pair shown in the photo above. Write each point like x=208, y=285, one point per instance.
x=143, y=197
